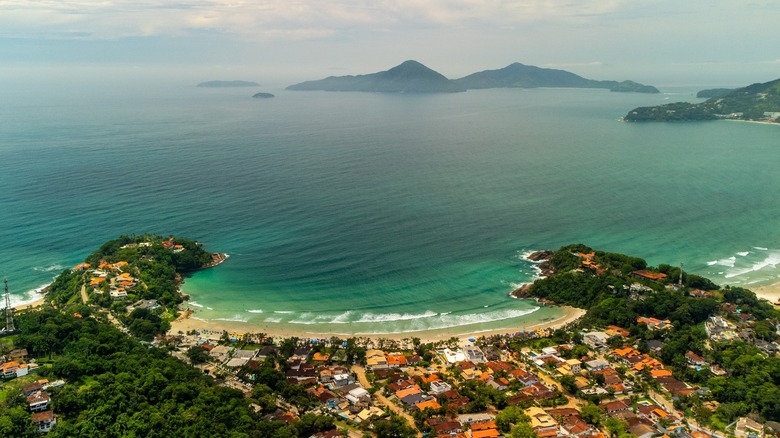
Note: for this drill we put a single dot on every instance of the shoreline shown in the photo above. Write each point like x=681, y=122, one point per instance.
x=187, y=323
x=769, y=292
x=29, y=305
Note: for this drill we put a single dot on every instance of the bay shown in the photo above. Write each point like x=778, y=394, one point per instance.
x=364, y=213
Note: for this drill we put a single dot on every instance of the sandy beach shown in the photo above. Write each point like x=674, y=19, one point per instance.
x=769, y=292
x=36, y=303
x=188, y=323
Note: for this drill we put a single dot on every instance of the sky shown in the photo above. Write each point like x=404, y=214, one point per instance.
x=660, y=42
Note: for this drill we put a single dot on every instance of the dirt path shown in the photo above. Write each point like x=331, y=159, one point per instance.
x=84, y=293
x=361, y=375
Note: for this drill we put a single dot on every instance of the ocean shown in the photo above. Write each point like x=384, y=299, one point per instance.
x=378, y=213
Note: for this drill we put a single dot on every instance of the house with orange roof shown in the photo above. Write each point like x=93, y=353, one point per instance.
x=430, y=378
x=9, y=369
x=660, y=373
x=320, y=357
x=654, y=323
x=471, y=374
x=652, y=276
x=486, y=433
x=81, y=267
x=97, y=281
x=395, y=360
x=614, y=330
x=428, y=404
x=407, y=392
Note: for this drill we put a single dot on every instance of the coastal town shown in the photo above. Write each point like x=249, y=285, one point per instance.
x=657, y=352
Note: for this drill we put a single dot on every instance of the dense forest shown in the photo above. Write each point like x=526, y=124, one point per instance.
x=117, y=386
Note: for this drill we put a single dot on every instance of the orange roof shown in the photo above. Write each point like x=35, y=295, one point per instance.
x=650, y=275
x=125, y=275
x=484, y=425
x=431, y=378
x=121, y=263
x=661, y=373
x=126, y=283
x=396, y=359
x=96, y=281
x=10, y=364
x=320, y=357
x=408, y=391
x=487, y=433
x=428, y=404
x=661, y=413
x=81, y=266
x=622, y=352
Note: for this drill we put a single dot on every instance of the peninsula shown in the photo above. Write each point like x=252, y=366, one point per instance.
x=414, y=77
x=757, y=102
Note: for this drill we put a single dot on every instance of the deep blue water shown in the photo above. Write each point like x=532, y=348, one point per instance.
x=390, y=212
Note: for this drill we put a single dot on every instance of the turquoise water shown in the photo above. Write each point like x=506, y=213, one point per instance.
x=369, y=213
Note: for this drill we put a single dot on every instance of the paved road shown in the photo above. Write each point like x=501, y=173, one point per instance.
x=84, y=293
x=361, y=375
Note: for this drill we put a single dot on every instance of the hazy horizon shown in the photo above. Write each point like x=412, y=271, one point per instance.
x=662, y=43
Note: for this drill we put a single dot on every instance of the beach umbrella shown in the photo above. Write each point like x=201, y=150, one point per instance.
x=472, y=339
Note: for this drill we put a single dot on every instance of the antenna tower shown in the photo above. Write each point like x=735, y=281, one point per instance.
x=9, y=311
x=679, y=282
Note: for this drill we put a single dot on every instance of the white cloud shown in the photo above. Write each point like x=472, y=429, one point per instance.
x=294, y=19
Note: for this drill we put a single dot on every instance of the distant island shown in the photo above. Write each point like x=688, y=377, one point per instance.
x=227, y=84
x=519, y=75
x=414, y=77
x=757, y=102
x=263, y=95
x=408, y=77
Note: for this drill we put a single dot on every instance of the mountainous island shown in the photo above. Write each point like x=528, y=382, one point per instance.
x=414, y=77
x=518, y=75
x=757, y=102
x=227, y=84
x=408, y=77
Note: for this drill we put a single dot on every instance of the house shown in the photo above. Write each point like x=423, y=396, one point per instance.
x=40, y=401
x=614, y=330
x=597, y=364
x=220, y=352
x=407, y=391
x=542, y=422
x=652, y=276
x=396, y=360
x=32, y=388
x=44, y=421
x=654, y=323
x=428, y=404
x=375, y=359
x=595, y=340
x=439, y=387
x=445, y=426
x=747, y=428
x=301, y=353
x=695, y=360
x=613, y=407
x=320, y=357
x=357, y=395
x=9, y=369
